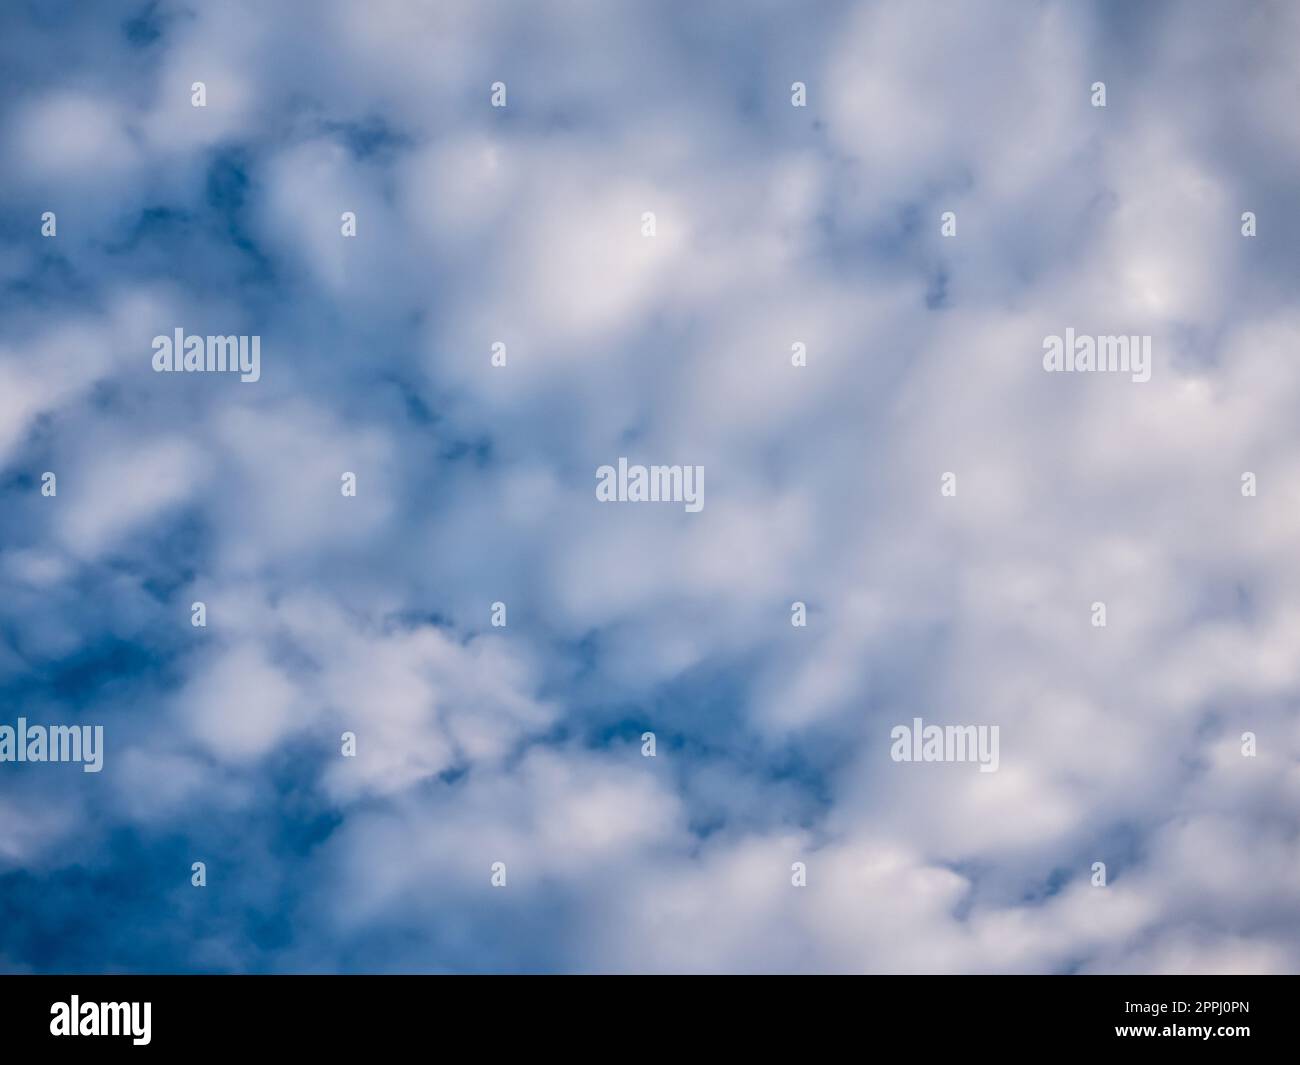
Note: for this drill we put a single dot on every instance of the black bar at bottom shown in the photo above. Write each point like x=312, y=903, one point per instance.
x=1234, y=1016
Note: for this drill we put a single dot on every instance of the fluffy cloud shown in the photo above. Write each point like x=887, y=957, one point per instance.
x=775, y=226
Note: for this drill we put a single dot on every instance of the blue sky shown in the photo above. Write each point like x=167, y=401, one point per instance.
x=775, y=225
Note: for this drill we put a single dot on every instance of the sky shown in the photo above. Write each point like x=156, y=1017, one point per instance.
x=947, y=513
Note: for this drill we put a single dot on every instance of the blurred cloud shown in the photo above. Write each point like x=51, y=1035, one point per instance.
x=775, y=225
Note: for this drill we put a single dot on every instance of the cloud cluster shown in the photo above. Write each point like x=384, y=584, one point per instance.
x=775, y=226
